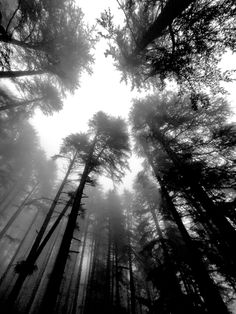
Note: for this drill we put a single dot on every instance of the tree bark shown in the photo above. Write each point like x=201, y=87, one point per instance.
x=77, y=288
x=17, y=212
x=173, y=290
x=32, y=256
x=171, y=11
x=14, y=74
x=226, y=230
x=212, y=298
x=43, y=269
x=130, y=262
x=54, y=283
x=19, y=248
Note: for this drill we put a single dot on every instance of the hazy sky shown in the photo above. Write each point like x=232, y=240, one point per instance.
x=100, y=91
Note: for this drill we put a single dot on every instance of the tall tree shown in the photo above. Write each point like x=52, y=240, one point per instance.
x=37, y=93
x=183, y=41
x=157, y=128
x=106, y=151
x=71, y=154
x=49, y=37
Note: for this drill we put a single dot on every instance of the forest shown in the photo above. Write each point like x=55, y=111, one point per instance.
x=164, y=244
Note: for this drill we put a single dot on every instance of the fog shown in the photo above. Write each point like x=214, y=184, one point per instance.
x=117, y=150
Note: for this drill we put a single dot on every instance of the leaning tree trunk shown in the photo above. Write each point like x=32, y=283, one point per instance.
x=10, y=265
x=226, y=231
x=14, y=74
x=78, y=283
x=10, y=196
x=17, y=212
x=43, y=269
x=33, y=254
x=170, y=11
x=55, y=279
x=208, y=290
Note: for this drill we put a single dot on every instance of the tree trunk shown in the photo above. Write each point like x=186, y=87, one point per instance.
x=225, y=229
x=117, y=280
x=208, y=290
x=43, y=269
x=77, y=288
x=19, y=248
x=173, y=290
x=17, y=212
x=11, y=196
x=14, y=74
x=86, y=297
x=54, y=283
x=171, y=11
x=108, y=271
x=130, y=262
x=32, y=256
x=52, y=229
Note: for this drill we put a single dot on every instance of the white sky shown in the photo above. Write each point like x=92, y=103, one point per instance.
x=100, y=91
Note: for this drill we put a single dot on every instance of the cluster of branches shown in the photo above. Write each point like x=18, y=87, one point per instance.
x=191, y=156
x=181, y=41
x=48, y=42
x=103, y=149
x=175, y=254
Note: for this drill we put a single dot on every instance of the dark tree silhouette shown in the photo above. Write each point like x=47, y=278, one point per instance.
x=49, y=37
x=183, y=41
x=107, y=151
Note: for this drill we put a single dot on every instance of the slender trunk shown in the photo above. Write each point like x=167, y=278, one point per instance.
x=52, y=229
x=226, y=230
x=14, y=74
x=70, y=295
x=85, y=283
x=89, y=275
x=64, y=303
x=117, y=280
x=112, y=278
x=108, y=270
x=164, y=19
x=208, y=290
x=173, y=291
x=54, y=283
x=131, y=275
x=32, y=256
x=48, y=256
x=20, y=103
x=77, y=288
x=19, y=248
x=11, y=196
x=21, y=44
x=17, y=212
x=215, y=238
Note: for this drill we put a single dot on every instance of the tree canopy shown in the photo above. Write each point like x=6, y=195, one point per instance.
x=181, y=41
x=49, y=38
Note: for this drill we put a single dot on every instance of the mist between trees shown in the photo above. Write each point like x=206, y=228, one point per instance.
x=165, y=246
